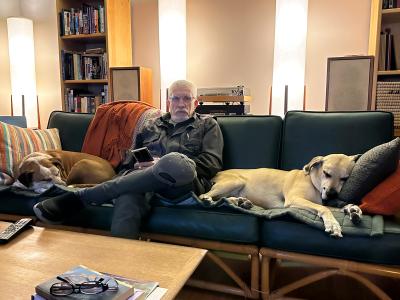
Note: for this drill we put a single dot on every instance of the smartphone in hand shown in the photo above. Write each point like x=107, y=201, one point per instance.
x=142, y=155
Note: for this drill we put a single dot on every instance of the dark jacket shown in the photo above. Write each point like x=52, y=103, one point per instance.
x=199, y=137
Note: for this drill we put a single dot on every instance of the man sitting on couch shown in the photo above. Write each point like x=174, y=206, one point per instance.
x=187, y=151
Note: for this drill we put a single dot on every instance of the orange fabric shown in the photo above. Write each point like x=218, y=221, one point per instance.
x=384, y=199
x=110, y=132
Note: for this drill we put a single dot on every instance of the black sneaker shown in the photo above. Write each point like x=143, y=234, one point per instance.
x=55, y=210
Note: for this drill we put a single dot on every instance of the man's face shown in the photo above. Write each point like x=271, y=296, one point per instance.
x=181, y=104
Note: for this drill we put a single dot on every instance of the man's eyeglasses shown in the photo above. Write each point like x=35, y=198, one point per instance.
x=66, y=286
x=184, y=98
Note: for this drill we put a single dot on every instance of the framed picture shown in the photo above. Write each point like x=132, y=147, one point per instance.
x=349, y=83
x=124, y=83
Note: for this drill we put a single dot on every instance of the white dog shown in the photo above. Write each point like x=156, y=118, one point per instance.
x=321, y=179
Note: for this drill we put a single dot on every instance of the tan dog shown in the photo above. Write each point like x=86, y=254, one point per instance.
x=63, y=167
x=321, y=179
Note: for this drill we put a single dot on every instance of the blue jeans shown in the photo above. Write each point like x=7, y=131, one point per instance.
x=172, y=175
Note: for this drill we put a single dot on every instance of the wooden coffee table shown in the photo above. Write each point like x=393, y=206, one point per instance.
x=38, y=254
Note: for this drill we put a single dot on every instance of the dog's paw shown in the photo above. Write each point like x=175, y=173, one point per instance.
x=354, y=212
x=206, y=199
x=244, y=203
x=241, y=202
x=59, y=181
x=333, y=227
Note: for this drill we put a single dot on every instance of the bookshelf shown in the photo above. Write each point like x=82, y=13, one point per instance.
x=94, y=35
x=384, y=44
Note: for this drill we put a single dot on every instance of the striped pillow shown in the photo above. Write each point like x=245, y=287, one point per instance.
x=17, y=142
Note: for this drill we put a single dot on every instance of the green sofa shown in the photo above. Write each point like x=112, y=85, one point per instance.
x=253, y=142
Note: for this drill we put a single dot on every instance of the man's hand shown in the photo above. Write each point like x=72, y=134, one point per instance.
x=146, y=164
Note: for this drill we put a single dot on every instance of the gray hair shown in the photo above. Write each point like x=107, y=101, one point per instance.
x=185, y=84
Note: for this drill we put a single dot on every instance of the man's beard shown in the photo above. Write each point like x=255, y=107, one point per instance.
x=180, y=116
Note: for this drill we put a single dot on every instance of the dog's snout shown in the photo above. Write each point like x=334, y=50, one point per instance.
x=26, y=178
x=325, y=202
x=331, y=194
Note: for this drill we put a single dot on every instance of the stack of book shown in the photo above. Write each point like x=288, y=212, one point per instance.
x=128, y=289
x=85, y=20
x=84, y=102
x=83, y=65
x=387, y=55
x=388, y=99
x=388, y=4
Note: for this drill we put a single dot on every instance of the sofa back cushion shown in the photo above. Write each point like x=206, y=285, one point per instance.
x=19, y=121
x=251, y=141
x=309, y=134
x=72, y=128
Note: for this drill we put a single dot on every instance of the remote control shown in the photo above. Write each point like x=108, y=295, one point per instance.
x=14, y=229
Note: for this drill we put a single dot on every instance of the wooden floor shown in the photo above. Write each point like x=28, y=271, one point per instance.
x=333, y=288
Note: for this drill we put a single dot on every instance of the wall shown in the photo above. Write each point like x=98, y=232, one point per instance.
x=7, y=8
x=5, y=84
x=145, y=40
x=230, y=42
x=43, y=14
x=335, y=28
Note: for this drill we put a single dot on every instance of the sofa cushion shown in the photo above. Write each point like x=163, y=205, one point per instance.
x=72, y=128
x=309, y=134
x=17, y=142
x=370, y=169
x=259, y=136
x=94, y=217
x=218, y=225
x=289, y=235
x=15, y=204
x=19, y=121
x=384, y=199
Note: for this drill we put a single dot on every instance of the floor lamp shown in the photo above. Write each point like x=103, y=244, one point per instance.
x=22, y=69
x=289, y=56
x=172, y=31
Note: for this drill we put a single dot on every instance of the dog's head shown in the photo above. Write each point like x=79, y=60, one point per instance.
x=329, y=173
x=39, y=167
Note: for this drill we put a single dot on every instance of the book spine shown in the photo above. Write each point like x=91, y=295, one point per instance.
x=66, y=22
x=61, y=16
x=101, y=11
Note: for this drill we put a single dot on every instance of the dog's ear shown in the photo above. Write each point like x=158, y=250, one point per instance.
x=356, y=157
x=316, y=161
x=57, y=163
x=26, y=178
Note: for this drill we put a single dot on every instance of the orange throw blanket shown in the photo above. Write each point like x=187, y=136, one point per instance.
x=110, y=133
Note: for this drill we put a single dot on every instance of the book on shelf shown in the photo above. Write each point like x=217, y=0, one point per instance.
x=388, y=4
x=81, y=274
x=94, y=51
x=87, y=19
x=82, y=101
x=389, y=42
x=387, y=56
x=83, y=65
x=382, y=52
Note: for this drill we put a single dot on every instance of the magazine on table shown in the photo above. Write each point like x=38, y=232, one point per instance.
x=146, y=286
x=79, y=274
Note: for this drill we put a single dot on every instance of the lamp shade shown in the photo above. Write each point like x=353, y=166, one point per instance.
x=289, y=54
x=172, y=36
x=22, y=67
